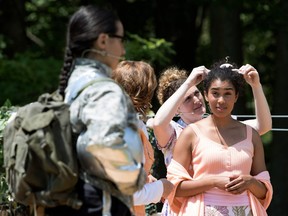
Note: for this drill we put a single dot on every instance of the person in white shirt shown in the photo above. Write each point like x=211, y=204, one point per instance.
x=139, y=81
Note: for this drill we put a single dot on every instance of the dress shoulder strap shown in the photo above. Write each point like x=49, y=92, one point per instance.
x=198, y=134
x=195, y=128
x=249, y=132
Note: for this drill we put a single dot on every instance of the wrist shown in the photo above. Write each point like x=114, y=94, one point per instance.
x=212, y=181
x=188, y=83
x=256, y=86
x=254, y=183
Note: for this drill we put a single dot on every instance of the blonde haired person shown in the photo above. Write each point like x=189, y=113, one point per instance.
x=139, y=81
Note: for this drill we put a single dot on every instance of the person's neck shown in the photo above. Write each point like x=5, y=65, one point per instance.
x=222, y=122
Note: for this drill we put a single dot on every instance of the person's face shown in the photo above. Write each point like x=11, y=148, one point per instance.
x=112, y=47
x=115, y=46
x=221, y=97
x=193, y=106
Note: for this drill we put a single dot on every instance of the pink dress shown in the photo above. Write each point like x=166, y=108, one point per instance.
x=211, y=158
x=168, y=155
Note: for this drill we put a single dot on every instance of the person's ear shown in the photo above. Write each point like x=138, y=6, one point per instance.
x=205, y=96
x=236, y=98
x=101, y=41
x=178, y=112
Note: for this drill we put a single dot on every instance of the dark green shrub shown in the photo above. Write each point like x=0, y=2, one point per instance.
x=27, y=76
x=5, y=112
x=24, y=78
x=156, y=51
x=7, y=205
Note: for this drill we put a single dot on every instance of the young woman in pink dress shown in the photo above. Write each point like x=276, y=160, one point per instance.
x=218, y=165
x=178, y=95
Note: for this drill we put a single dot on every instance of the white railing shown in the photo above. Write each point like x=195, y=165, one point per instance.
x=250, y=116
x=273, y=116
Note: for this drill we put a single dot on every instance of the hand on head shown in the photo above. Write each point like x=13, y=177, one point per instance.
x=197, y=75
x=250, y=74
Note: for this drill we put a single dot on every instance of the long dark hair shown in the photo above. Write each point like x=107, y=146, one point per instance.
x=84, y=27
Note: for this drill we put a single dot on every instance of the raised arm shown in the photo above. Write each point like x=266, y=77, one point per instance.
x=161, y=124
x=263, y=121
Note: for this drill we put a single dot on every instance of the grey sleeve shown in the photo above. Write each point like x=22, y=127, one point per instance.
x=110, y=136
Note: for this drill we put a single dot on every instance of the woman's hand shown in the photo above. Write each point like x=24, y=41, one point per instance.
x=242, y=183
x=250, y=74
x=151, y=178
x=220, y=181
x=238, y=185
x=197, y=75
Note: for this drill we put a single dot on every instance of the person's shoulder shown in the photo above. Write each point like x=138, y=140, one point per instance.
x=202, y=122
x=242, y=124
x=199, y=125
x=254, y=133
x=190, y=130
x=106, y=84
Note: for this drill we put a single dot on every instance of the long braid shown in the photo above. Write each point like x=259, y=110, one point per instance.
x=65, y=71
x=83, y=29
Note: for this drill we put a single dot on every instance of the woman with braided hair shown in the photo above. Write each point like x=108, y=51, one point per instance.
x=111, y=168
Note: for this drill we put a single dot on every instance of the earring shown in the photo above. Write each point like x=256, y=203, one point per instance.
x=178, y=113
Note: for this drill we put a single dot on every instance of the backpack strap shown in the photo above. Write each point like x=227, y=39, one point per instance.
x=36, y=210
x=92, y=82
x=107, y=203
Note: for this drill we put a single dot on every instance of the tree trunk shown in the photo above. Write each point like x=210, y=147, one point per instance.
x=12, y=22
x=180, y=23
x=226, y=37
x=226, y=32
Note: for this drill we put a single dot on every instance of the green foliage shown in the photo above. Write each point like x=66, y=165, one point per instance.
x=5, y=112
x=156, y=51
x=3, y=45
x=259, y=23
x=7, y=205
x=25, y=77
x=46, y=24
